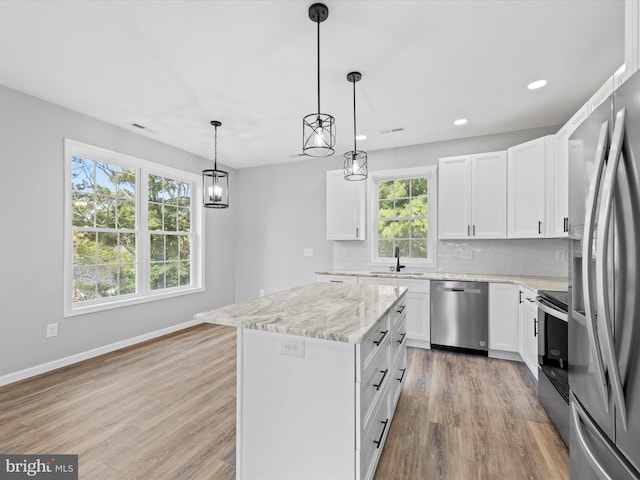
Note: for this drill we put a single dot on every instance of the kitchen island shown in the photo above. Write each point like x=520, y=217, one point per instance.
x=320, y=371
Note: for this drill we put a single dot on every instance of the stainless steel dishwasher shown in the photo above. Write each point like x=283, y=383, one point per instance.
x=460, y=315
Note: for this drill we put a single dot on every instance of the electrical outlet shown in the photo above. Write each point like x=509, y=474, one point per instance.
x=52, y=330
x=345, y=252
x=561, y=254
x=293, y=347
x=307, y=252
x=466, y=254
x=262, y=292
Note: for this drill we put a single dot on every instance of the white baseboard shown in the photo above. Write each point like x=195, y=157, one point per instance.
x=504, y=355
x=79, y=357
x=425, y=344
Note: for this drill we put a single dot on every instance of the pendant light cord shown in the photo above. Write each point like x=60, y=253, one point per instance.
x=354, y=118
x=318, y=22
x=215, y=148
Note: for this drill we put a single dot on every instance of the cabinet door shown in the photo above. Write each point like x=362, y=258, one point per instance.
x=503, y=317
x=454, y=197
x=418, y=316
x=526, y=189
x=489, y=195
x=531, y=338
x=560, y=227
x=345, y=207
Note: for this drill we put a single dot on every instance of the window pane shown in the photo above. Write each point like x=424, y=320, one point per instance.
x=170, y=218
x=127, y=248
x=402, y=188
x=84, y=248
x=385, y=248
x=106, y=179
x=127, y=184
x=82, y=210
x=84, y=284
x=385, y=229
x=155, y=216
x=157, y=276
x=184, y=195
x=172, y=274
x=171, y=247
x=402, y=208
x=105, y=211
x=127, y=279
x=418, y=248
x=418, y=187
x=385, y=190
x=184, y=247
x=156, y=189
x=419, y=207
x=403, y=230
x=171, y=191
x=404, y=247
x=107, y=248
x=386, y=209
x=185, y=273
x=184, y=220
x=126, y=214
x=82, y=175
x=418, y=229
x=107, y=280
x=157, y=248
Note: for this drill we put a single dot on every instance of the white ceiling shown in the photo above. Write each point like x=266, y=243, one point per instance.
x=175, y=65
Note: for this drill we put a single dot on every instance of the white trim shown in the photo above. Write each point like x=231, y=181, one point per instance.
x=429, y=171
x=96, y=352
x=142, y=168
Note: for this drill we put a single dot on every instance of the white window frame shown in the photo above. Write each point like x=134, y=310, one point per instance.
x=143, y=291
x=430, y=172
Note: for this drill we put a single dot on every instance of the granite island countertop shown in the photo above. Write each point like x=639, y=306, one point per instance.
x=339, y=312
x=532, y=282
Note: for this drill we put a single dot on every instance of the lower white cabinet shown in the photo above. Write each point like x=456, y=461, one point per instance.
x=528, y=337
x=503, y=320
x=337, y=279
x=323, y=414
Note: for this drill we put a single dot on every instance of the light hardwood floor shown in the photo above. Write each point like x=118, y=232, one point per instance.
x=165, y=409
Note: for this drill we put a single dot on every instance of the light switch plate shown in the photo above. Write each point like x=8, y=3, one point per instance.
x=307, y=252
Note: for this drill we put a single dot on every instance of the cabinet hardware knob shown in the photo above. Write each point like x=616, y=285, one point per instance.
x=468, y=230
x=379, y=341
x=400, y=308
x=379, y=441
x=401, y=338
x=535, y=327
x=403, y=370
x=384, y=374
x=539, y=227
x=357, y=232
x=474, y=230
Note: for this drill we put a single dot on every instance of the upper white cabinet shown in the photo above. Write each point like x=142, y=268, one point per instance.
x=560, y=224
x=632, y=36
x=530, y=169
x=346, y=207
x=472, y=195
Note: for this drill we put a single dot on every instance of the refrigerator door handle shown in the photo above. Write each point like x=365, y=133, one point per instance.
x=602, y=264
x=579, y=419
x=589, y=223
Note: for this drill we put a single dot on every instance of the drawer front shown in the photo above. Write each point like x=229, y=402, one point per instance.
x=398, y=336
x=376, y=379
x=415, y=286
x=376, y=281
x=373, y=341
x=398, y=378
x=398, y=310
x=337, y=279
x=373, y=438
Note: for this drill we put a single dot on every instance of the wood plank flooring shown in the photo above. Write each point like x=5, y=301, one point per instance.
x=165, y=409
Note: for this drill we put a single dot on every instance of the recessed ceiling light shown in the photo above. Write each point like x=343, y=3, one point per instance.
x=460, y=121
x=361, y=137
x=537, y=84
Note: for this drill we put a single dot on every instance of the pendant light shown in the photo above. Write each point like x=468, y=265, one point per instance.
x=355, y=161
x=215, y=183
x=318, y=129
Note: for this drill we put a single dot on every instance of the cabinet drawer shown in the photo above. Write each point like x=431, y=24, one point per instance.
x=415, y=286
x=373, y=438
x=376, y=281
x=337, y=279
x=399, y=371
x=398, y=336
x=373, y=342
x=398, y=310
x=376, y=379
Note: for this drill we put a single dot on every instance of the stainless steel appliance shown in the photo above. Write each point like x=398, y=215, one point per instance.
x=553, y=355
x=604, y=320
x=460, y=315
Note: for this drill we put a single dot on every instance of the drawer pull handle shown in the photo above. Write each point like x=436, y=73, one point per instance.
x=403, y=370
x=379, y=341
x=379, y=441
x=384, y=374
x=401, y=338
x=336, y=281
x=401, y=308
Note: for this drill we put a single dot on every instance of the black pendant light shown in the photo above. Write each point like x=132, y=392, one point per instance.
x=355, y=161
x=215, y=183
x=318, y=129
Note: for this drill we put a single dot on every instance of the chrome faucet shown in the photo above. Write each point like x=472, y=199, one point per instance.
x=396, y=254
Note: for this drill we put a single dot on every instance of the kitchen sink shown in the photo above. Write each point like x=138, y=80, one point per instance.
x=389, y=272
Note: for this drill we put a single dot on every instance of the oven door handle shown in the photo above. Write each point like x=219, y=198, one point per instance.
x=546, y=308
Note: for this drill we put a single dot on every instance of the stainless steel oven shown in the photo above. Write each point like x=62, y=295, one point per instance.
x=553, y=358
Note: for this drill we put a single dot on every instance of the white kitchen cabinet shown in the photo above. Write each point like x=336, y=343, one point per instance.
x=346, y=207
x=337, y=279
x=560, y=224
x=472, y=195
x=528, y=336
x=529, y=200
x=632, y=36
x=503, y=321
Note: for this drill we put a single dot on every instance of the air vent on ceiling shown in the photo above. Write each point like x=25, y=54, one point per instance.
x=142, y=127
x=393, y=130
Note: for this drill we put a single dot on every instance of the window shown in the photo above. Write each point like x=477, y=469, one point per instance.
x=131, y=229
x=403, y=215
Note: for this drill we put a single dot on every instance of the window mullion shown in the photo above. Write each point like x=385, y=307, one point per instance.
x=143, y=249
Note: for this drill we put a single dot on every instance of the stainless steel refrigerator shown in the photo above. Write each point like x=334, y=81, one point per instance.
x=604, y=290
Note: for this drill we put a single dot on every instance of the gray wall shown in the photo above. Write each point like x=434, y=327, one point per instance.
x=281, y=210
x=31, y=279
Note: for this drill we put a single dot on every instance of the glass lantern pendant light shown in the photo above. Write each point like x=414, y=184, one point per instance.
x=355, y=162
x=215, y=183
x=318, y=129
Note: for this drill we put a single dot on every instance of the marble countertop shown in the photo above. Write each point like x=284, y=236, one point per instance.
x=531, y=282
x=340, y=312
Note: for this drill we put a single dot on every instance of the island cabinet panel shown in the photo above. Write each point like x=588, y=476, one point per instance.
x=311, y=408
